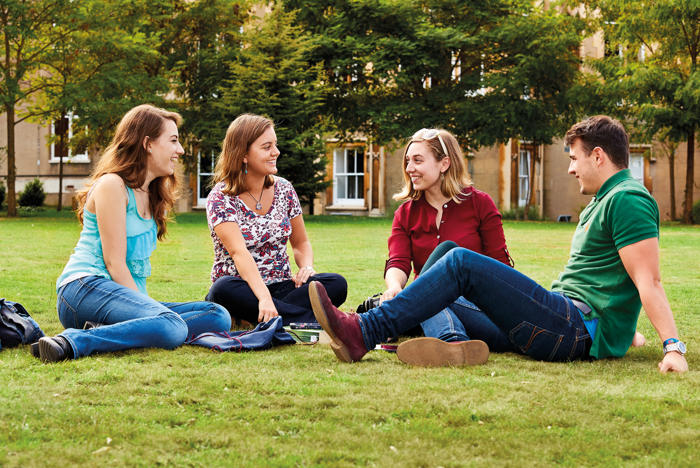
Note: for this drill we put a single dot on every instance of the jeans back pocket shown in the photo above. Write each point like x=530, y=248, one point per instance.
x=536, y=342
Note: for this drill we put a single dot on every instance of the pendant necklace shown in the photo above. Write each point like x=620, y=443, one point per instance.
x=258, y=203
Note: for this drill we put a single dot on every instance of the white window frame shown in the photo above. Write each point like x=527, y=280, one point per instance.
x=360, y=187
x=523, y=176
x=637, y=157
x=82, y=158
x=202, y=202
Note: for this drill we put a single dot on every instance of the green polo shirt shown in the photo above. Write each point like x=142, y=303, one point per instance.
x=621, y=213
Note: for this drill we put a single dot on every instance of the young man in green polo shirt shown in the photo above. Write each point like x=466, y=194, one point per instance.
x=591, y=310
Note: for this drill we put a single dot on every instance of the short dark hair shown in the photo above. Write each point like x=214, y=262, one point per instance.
x=605, y=132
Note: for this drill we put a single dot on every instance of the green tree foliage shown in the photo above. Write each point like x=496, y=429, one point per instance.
x=107, y=63
x=111, y=64
x=28, y=33
x=95, y=58
x=488, y=70
x=651, y=74
x=202, y=40
x=273, y=76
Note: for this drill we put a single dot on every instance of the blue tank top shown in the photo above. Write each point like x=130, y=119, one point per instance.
x=87, y=258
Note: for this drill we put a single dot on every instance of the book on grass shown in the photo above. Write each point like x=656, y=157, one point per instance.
x=308, y=335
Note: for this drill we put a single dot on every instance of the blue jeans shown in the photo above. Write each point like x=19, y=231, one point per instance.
x=131, y=319
x=462, y=321
x=539, y=323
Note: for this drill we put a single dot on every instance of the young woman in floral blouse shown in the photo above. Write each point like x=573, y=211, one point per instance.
x=251, y=215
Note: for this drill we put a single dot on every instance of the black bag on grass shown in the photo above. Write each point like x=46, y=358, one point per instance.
x=16, y=326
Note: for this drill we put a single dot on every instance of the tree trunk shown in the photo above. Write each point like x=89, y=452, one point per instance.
x=672, y=181
x=689, y=178
x=62, y=142
x=11, y=169
x=531, y=182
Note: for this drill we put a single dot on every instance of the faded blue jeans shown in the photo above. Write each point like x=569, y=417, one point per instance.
x=539, y=323
x=462, y=320
x=131, y=319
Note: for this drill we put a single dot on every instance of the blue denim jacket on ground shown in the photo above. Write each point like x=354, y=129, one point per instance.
x=16, y=326
x=264, y=336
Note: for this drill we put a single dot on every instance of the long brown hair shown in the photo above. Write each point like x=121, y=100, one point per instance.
x=127, y=157
x=242, y=132
x=455, y=179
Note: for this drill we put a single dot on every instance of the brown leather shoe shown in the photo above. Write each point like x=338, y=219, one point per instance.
x=431, y=352
x=343, y=329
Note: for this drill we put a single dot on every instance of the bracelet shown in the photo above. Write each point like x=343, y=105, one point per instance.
x=671, y=340
x=307, y=267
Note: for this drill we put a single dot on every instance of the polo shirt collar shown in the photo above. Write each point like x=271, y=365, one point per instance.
x=612, y=182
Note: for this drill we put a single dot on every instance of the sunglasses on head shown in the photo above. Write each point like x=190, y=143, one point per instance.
x=426, y=134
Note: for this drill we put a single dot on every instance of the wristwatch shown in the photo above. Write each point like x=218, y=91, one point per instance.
x=674, y=344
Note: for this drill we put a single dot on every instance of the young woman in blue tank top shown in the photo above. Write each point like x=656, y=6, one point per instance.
x=102, y=298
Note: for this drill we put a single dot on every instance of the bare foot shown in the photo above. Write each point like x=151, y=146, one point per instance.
x=638, y=340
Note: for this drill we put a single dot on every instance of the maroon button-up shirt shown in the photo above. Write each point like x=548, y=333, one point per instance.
x=474, y=223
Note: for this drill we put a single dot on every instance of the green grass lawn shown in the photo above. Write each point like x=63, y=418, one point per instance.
x=297, y=405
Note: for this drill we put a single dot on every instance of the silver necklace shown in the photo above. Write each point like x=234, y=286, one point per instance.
x=258, y=203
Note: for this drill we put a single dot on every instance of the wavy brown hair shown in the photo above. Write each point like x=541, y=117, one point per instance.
x=127, y=157
x=456, y=176
x=242, y=132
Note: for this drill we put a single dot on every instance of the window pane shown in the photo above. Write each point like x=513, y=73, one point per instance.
x=204, y=186
x=352, y=181
x=360, y=160
x=206, y=163
x=341, y=189
x=523, y=188
x=60, y=127
x=636, y=166
x=338, y=162
x=350, y=161
x=524, y=166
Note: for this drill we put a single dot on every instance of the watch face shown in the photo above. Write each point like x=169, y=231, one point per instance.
x=677, y=346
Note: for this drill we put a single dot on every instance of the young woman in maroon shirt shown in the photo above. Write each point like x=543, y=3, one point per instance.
x=442, y=208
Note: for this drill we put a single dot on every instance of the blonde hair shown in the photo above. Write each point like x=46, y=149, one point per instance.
x=127, y=157
x=454, y=180
x=242, y=132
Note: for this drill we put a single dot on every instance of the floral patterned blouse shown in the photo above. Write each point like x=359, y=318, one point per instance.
x=265, y=235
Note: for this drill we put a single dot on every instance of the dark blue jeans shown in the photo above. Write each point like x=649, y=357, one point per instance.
x=462, y=320
x=539, y=323
x=292, y=303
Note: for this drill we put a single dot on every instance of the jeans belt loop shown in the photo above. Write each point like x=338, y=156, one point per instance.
x=581, y=306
